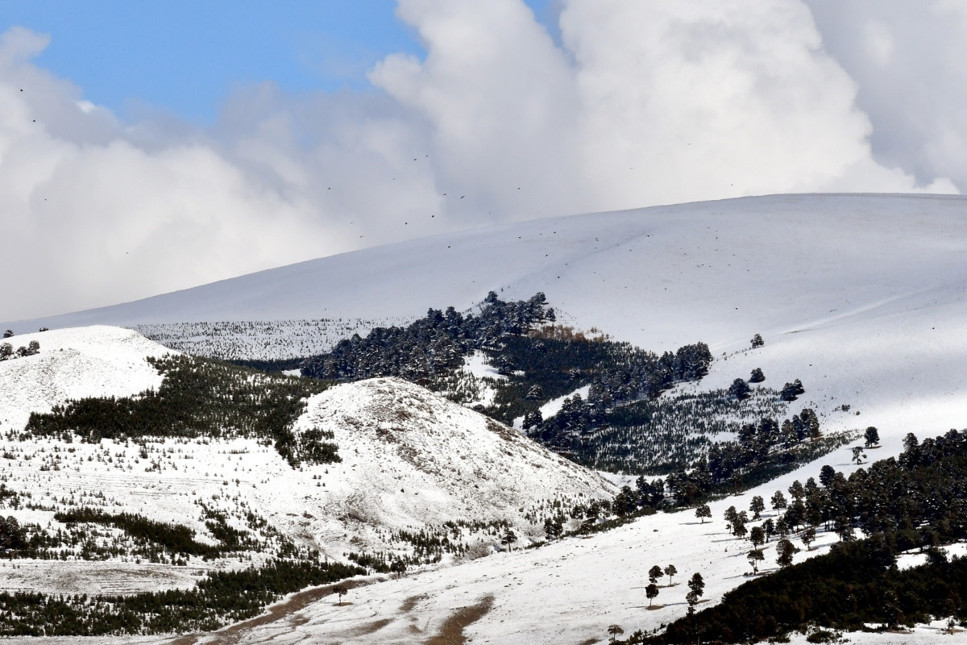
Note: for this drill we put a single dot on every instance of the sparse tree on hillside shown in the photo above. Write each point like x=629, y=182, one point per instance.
x=791, y=391
x=614, y=631
x=757, y=376
x=696, y=588
x=808, y=537
x=654, y=574
x=340, y=591
x=778, y=500
x=702, y=512
x=872, y=436
x=755, y=557
x=786, y=551
x=651, y=591
x=757, y=506
x=398, y=567
x=739, y=389
x=508, y=538
x=757, y=536
x=670, y=571
x=757, y=341
x=858, y=454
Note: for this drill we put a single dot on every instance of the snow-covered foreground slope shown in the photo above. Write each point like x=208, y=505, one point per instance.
x=566, y=592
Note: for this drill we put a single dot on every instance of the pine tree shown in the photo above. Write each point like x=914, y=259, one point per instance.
x=696, y=588
x=872, y=436
x=786, y=551
x=651, y=592
x=757, y=506
x=670, y=571
x=755, y=557
x=702, y=512
x=778, y=500
x=614, y=631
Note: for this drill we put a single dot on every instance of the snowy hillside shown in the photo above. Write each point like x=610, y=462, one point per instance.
x=411, y=457
x=71, y=364
x=862, y=298
x=410, y=461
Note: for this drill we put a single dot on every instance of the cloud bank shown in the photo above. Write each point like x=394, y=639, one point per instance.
x=629, y=104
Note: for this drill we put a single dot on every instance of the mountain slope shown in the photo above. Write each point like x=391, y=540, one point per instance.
x=410, y=461
x=411, y=457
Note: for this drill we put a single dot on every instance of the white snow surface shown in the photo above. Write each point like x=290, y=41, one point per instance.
x=863, y=298
x=72, y=364
x=410, y=458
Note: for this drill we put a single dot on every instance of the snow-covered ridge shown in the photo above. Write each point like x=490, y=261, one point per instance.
x=410, y=457
x=72, y=364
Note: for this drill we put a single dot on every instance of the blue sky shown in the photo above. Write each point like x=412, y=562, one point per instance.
x=148, y=145
x=187, y=57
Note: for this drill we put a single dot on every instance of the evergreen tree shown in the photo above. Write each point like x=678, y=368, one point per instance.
x=757, y=376
x=614, y=631
x=778, y=500
x=739, y=390
x=872, y=436
x=757, y=536
x=757, y=506
x=786, y=551
x=755, y=556
x=702, y=512
x=651, y=591
x=696, y=586
x=791, y=391
x=508, y=538
x=655, y=573
x=670, y=571
x=808, y=537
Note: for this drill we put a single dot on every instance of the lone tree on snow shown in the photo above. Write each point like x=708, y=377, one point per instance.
x=702, y=512
x=696, y=588
x=615, y=631
x=651, y=591
x=508, y=538
x=872, y=436
x=670, y=571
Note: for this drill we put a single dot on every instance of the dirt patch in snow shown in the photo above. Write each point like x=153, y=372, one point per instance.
x=451, y=633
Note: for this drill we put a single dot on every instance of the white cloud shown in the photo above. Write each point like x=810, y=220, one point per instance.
x=907, y=59
x=632, y=103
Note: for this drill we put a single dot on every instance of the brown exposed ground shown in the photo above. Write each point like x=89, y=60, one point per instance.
x=451, y=633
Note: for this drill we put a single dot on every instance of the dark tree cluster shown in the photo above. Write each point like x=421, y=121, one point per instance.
x=200, y=398
x=915, y=501
x=7, y=352
x=431, y=346
x=763, y=451
x=624, y=375
x=174, y=538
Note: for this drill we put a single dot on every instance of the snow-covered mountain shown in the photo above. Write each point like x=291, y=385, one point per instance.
x=862, y=298
x=410, y=460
